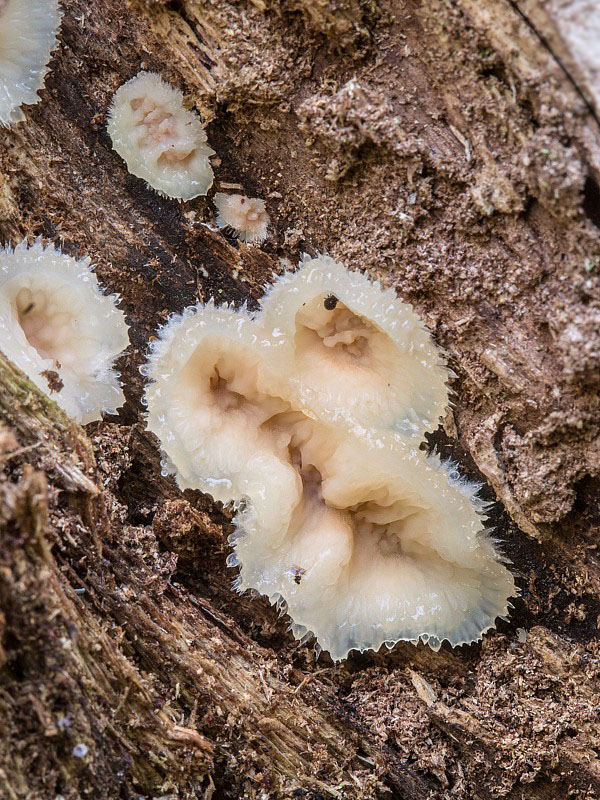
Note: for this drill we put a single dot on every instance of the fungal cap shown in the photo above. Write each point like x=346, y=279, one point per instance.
x=383, y=549
x=207, y=403
x=160, y=141
x=346, y=525
x=28, y=30
x=247, y=216
x=60, y=329
x=353, y=353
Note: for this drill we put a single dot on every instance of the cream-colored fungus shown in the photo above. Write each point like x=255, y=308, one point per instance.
x=60, y=329
x=208, y=404
x=353, y=353
x=381, y=547
x=160, y=140
x=28, y=30
x=246, y=216
x=354, y=531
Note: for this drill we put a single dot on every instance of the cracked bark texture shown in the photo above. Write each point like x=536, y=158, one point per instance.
x=452, y=149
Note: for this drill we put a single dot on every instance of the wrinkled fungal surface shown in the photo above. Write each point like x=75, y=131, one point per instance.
x=28, y=30
x=209, y=401
x=380, y=546
x=160, y=141
x=353, y=353
x=307, y=417
x=60, y=329
x=246, y=216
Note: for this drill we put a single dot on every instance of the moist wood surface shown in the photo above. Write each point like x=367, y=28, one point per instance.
x=452, y=149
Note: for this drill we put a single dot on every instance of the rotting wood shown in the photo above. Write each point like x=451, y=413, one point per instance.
x=466, y=176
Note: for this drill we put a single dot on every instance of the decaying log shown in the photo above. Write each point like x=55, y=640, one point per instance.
x=127, y=679
x=451, y=148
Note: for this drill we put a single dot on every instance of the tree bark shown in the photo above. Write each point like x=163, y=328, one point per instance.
x=452, y=149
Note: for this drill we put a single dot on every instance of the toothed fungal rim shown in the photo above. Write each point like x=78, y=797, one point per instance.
x=160, y=141
x=28, y=35
x=383, y=547
x=55, y=319
x=351, y=530
x=353, y=353
x=245, y=216
x=208, y=402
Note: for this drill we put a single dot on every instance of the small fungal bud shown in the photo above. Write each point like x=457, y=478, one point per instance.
x=60, y=329
x=28, y=30
x=246, y=216
x=160, y=141
x=353, y=353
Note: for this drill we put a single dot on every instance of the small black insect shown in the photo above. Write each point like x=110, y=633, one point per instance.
x=297, y=572
x=330, y=302
x=28, y=309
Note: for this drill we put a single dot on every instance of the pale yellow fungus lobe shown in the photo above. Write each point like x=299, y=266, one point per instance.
x=353, y=353
x=207, y=401
x=60, y=329
x=28, y=31
x=341, y=519
x=246, y=216
x=382, y=546
x=160, y=141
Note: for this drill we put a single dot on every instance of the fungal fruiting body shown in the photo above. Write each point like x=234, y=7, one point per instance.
x=160, y=141
x=246, y=216
x=60, y=329
x=28, y=30
x=353, y=353
x=341, y=520
x=208, y=406
x=381, y=546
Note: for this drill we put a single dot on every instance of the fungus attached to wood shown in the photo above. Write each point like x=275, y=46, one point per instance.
x=389, y=547
x=341, y=520
x=208, y=402
x=353, y=353
x=246, y=216
x=60, y=329
x=28, y=30
x=160, y=141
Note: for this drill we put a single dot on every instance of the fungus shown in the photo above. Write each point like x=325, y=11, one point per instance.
x=246, y=216
x=60, y=329
x=208, y=403
x=353, y=353
x=160, y=141
x=352, y=530
x=28, y=30
x=382, y=546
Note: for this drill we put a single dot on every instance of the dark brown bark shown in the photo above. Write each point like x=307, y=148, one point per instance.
x=461, y=167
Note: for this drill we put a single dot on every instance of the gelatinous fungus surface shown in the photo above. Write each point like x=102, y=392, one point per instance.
x=60, y=329
x=308, y=417
x=28, y=30
x=246, y=216
x=160, y=141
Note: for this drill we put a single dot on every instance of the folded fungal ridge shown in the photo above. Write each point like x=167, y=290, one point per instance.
x=28, y=30
x=341, y=520
x=159, y=139
x=58, y=326
x=354, y=354
x=381, y=547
